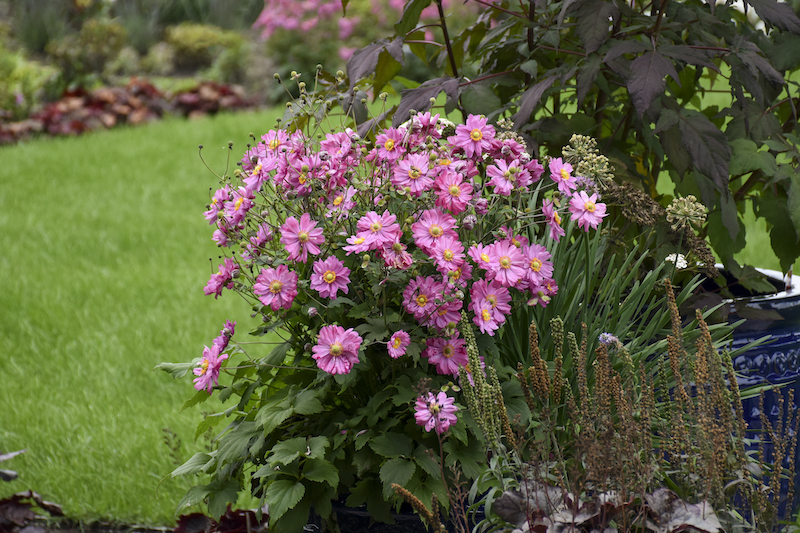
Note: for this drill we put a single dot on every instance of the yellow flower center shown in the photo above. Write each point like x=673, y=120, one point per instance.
x=257, y=169
x=455, y=274
x=536, y=265
x=476, y=135
x=484, y=258
x=515, y=242
x=214, y=201
x=359, y=240
x=422, y=300
x=448, y=351
x=557, y=218
x=564, y=174
x=238, y=203
x=492, y=299
x=448, y=255
x=336, y=349
x=397, y=247
x=329, y=276
x=376, y=227
x=589, y=206
x=454, y=190
x=486, y=315
x=275, y=287
x=274, y=143
x=397, y=342
x=302, y=178
x=414, y=173
x=444, y=162
x=389, y=144
x=435, y=231
x=505, y=262
x=204, y=367
x=338, y=200
x=302, y=236
x=434, y=408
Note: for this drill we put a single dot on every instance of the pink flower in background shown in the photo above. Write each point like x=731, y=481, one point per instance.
x=586, y=210
x=553, y=220
x=452, y=193
x=378, y=230
x=346, y=52
x=221, y=342
x=540, y=267
x=356, y=245
x=276, y=287
x=560, y=173
x=420, y=295
x=431, y=226
x=474, y=137
x=346, y=26
x=389, y=144
x=504, y=176
x=302, y=237
x=395, y=255
x=446, y=354
x=336, y=350
x=412, y=172
x=222, y=279
x=329, y=277
x=495, y=295
x=341, y=203
x=207, y=370
x=448, y=253
x=507, y=263
x=435, y=412
x=484, y=318
x=445, y=312
x=398, y=343
x=217, y=202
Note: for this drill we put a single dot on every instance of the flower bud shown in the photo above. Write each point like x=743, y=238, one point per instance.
x=307, y=346
x=469, y=222
x=481, y=206
x=312, y=312
x=365, y=261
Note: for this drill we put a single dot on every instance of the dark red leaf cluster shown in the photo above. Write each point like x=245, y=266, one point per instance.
x=238, y=521
x=17, y=511
x=138, y=102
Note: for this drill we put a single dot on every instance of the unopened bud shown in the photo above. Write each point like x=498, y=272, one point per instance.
x=312, y=312
x=307, y=346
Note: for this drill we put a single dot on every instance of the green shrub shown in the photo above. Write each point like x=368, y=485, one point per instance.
x=89, y=51
x=197, y=45
x=160, y=60
x=38, y=22
x=21, y=82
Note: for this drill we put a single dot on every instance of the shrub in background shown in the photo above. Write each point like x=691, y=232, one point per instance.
x=197, y=45
x=22, y=83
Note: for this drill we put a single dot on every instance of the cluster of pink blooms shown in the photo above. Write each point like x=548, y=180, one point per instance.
x=207, y=370
x=435, y=412
x=311, y=216
x=306, y=15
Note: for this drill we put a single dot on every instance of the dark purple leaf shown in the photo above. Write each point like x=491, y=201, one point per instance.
x=785, y=52
x=624, y=47
x=365, y=127
x=511, y=507
x=594, y=19
x=566, y=7
x=780, y=15
x=364, y=61
x=647, y=81
x=530, y=99
x=586, y=76
x=419, y=99
x=674, y=149
x=707, y=146
x=194, y=523
x=386, y=69
x=757, y=63
x=688, y=55
x=674, y=514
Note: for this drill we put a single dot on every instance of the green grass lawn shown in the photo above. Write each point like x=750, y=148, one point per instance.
x=105, y=252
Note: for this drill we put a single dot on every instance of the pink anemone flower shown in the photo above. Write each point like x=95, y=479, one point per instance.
x=337, y=349
x=435, y=412
x=329, y=277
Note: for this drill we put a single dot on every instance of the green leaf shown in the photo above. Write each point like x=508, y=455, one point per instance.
x=746, y=158
x=221, y=496
x=396, y=470
x=387, y=68
x=196, y=495
x=321, y=471
x=316, y=447
x=411, y=14
x=307, y=403
x=793, y=204
x=720, y=237
x=706, y=145
x=479, y=99
x=272, y=416
x=193, y=465
x=785, y=52
x=391, y=445
x=233, y=446
x=295, y=518
x=287, y=451
x=277, y=355
x=424, y=458
x=281, y=496
x=648, y=79
x=199, y=397
x=587, y=75
x=364, y=62
x=368, y=491
x=176, y=370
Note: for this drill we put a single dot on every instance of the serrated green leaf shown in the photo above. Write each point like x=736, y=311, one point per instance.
x=277, y=355
x=410, y=17
x=321, y=471
x=194, y=496
x=307, y=403
x=746, y=158
x=287, y=451
x=220, y=496
x=281, y=496
x=316, y=447
x=424, y=458
x=193, y=465
x=176, y=370
x=396, y=470
x=368, y=491
x=391, y=445
x=199, y=397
